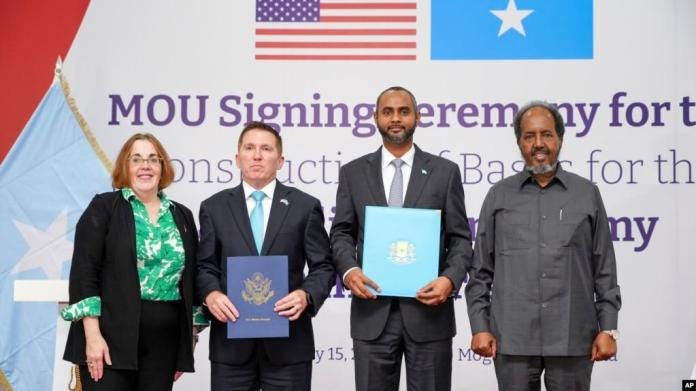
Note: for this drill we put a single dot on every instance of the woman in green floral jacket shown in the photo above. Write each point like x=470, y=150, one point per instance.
x=131, y=280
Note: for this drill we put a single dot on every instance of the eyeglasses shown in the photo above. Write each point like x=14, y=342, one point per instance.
x=140, y=161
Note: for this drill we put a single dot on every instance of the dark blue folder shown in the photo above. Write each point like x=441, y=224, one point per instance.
x=254, y=284
x=402, y=248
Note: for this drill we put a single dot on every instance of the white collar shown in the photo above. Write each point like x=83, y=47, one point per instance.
x=387, y=156
x=268, y=190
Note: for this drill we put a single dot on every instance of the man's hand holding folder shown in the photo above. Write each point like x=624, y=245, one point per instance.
x=359, y=284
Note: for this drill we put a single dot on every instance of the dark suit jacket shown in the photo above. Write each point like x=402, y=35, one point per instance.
x=435, y=183
x=295, y=228
x=104, y=264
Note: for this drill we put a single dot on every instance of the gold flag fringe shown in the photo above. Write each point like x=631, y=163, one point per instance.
x=75, y=369
x=75, y=374
x=4, y=383
x=83, y=123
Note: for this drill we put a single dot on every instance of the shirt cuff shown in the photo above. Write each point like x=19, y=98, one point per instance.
x=479, y=325
x=199, y=318
x=90, y=306
x=609, y=320
x=343, y=278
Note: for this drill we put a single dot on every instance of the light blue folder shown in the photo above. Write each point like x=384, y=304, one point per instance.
x=401, y=248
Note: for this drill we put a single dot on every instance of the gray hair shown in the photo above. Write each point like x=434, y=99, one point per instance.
x=559, y=125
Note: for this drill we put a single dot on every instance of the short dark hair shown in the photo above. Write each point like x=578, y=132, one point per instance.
x=119, y=176
x=558, y=123
x=397, y=88
x=258, y=125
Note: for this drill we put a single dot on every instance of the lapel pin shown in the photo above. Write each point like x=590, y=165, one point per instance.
x=423, y=171
x=284, y=202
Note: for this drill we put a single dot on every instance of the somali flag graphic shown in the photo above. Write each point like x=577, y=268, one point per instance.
x=47, y=179
x=511, y=29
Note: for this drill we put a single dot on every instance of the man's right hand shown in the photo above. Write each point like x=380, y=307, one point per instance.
x=484, y=344
x=358, y=282
x=221, y=307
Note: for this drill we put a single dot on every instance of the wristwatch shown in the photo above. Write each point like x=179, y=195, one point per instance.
x=614, y=334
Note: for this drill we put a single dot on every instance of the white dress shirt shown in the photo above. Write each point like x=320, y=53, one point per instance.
x=266, y=202
x=388, y=171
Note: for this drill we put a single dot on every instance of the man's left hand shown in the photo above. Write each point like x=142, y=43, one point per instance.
x=436, y=292
x=292, y=305
x=603, y=347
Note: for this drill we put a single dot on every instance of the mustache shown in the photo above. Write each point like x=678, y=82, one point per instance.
x=540, y=149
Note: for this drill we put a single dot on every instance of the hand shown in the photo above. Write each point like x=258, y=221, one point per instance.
x=484, y=344
x=221, y=307
x=603, y=347
x=177, y=375
x=358, y=282
x=436, y=292
x=96, y=349
x=292, y=305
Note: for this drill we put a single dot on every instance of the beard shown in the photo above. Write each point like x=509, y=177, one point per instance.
x=544, y=168
x=398, y=139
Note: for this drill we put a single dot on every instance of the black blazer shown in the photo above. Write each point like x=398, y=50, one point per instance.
x=435, y=183
x=295, y=228
x=104, y=264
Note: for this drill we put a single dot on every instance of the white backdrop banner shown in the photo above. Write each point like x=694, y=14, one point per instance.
x=621, y=72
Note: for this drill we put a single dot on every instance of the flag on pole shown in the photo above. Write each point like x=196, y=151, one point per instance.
x=47, y=179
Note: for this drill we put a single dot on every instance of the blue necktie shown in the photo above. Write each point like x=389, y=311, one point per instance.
x=257, y=219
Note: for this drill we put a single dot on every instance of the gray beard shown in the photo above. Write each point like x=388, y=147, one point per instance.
x=543, y=169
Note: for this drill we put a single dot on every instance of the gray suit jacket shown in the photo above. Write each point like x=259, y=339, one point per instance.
x=435, y=183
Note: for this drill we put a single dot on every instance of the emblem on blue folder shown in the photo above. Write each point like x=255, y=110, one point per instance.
x=253, y=284
x=257, y=289
x=402, y=252
x=401, y=248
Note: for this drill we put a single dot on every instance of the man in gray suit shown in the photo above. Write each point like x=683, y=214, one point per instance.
x=543, y=295
x=384, y=328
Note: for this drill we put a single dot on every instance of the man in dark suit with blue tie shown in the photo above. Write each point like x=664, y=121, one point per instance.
x=384, y=329
x=261, y=216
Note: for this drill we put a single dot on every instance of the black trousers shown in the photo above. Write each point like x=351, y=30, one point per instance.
x=260, y=374
x=523, y=373
x=378, y=362
x=157, y=351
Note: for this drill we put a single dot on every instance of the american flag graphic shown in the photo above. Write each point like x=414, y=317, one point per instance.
x=336, y=30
